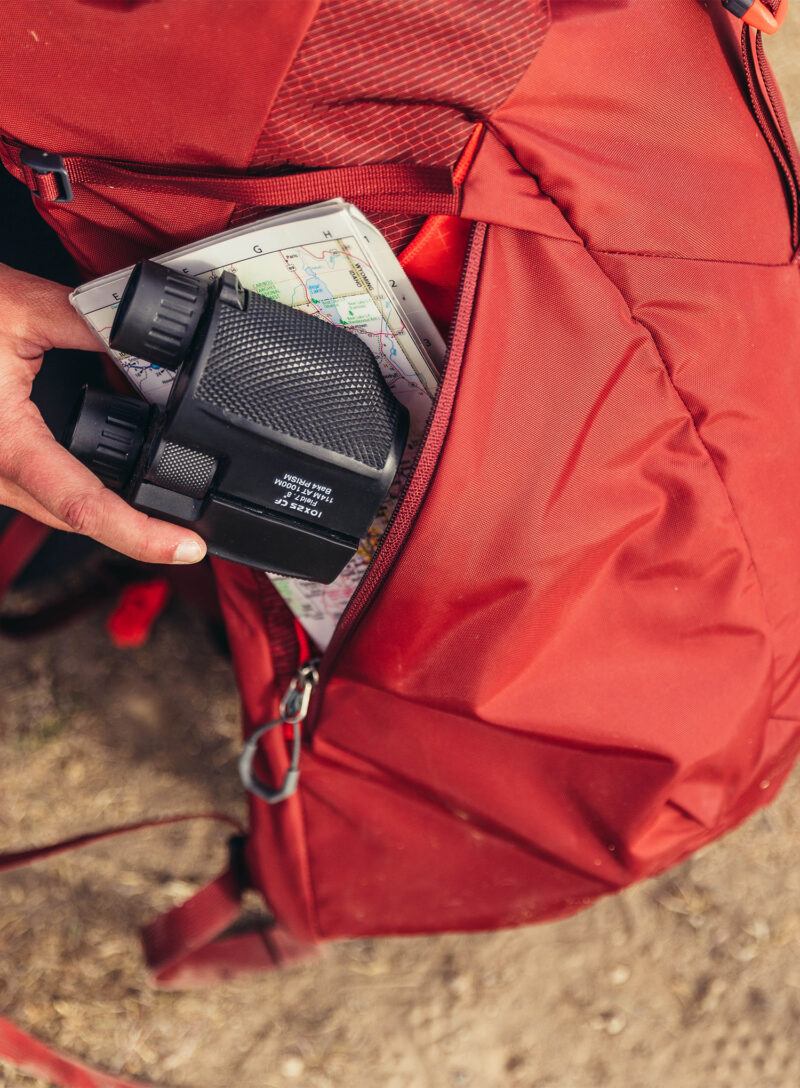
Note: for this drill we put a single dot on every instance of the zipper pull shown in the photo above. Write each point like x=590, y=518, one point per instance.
x=293, y=710
x=756, y=14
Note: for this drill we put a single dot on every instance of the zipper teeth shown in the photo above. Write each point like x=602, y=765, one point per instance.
x=408, y=502
x=778, y=108
x=772, y=120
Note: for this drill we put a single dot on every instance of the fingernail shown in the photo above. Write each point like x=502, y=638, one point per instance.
x=188, y=551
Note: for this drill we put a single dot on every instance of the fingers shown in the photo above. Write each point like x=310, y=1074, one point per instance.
x=36, y=314
x=37, y=475
x=73, y=498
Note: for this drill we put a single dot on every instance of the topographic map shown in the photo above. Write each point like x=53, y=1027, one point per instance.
x=329, y=261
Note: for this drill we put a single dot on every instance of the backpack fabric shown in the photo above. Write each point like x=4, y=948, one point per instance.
x=576, y=656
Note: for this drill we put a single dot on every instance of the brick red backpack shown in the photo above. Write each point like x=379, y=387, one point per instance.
x=576, y=655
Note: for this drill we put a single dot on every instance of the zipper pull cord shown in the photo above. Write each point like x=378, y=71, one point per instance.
x=763, y=15
x=293, y=710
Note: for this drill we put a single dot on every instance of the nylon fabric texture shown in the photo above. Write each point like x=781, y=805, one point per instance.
x=357, y=93
x=576, y=657
x=583, y=662
x=153, y=111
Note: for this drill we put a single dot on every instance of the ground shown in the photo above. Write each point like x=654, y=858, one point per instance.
x=689, y=980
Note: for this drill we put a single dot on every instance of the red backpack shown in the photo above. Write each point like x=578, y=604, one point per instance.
x=574, y=658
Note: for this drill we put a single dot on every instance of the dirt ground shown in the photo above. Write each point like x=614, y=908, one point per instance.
x=690, y=980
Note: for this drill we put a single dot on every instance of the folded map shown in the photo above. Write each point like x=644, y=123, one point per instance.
x=328, y=260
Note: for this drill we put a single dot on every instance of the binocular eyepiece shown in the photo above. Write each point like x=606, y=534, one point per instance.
x=280, y=438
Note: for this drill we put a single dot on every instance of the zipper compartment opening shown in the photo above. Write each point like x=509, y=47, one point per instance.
x=289, y=643
x=419, y=478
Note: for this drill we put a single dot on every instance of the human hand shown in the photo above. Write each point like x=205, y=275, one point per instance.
x=37, y=475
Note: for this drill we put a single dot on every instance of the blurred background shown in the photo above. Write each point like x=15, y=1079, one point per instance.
x=690, y=980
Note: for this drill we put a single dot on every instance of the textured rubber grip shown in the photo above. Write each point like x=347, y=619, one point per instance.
x=300, y=376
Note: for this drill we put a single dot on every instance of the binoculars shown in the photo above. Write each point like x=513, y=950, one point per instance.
x=280, y=438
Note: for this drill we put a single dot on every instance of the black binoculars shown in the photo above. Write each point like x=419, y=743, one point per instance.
x=280, y=437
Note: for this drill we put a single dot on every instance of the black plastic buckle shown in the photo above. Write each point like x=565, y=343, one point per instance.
x=46, y=162
x=737, y=7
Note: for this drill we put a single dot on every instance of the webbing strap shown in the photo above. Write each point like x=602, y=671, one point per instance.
x=173, y=938
x=17, y=859
x=400, y=187
x=37, y=1059
x=196, y=957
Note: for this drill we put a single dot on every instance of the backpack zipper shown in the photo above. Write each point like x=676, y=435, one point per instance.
x=770, y=113
x=405, y=512
x=302, y=700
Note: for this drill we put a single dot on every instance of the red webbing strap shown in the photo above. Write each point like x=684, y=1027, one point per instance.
x=174, y=937
x=400, y=187
x=246, y=952
x=256, y=950
x=35, y=1058
x=206, y=914
x=44, y=185
x=182, y=948
x=16, y=859
x=19, y=543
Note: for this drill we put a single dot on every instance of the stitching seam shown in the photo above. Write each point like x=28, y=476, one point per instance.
x=678, y=257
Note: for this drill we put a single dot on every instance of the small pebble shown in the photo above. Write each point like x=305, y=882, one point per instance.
x=612, y=1023
x=292, y=1067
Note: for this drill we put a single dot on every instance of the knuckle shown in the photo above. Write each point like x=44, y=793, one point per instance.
x=81, y=514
